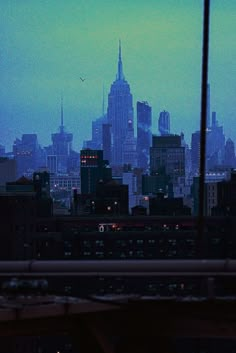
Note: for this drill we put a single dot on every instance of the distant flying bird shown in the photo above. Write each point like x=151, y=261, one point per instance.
x=82, y=79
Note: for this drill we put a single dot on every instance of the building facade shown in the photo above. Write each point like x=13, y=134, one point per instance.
x=93, y=168
x=164, y=123
x=61, y=146
x=119, y=113
x=28, y=155
x=167, y=156
x=7, y=170
x=230, y=159
x=144, y=134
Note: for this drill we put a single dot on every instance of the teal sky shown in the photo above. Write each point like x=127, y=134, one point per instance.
x=46, y=45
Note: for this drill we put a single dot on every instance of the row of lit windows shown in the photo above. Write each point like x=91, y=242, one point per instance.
x=66, y=183
x=89, y=157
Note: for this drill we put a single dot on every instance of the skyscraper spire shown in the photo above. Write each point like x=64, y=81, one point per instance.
x=120, y=74
x=62, y=115
x=119, y=113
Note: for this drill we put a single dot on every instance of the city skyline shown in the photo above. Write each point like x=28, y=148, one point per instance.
x=48, y=48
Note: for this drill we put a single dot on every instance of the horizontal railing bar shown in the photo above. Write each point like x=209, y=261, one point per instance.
x=115, y=266
x=121, y=274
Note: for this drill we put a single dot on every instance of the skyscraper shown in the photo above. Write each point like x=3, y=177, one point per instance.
x=230, y=159
x=119, y=113
x=167, y=154
x=106, y=141
x=28, y=154
x=129, y=148
x=215, y=144
x=164, y=123
x=97, y=134
x=195, y=152
x=7, y=170
x=167, y=165
x=62, y=145
x=144, y=135
x=93, y=168
x=2, y=151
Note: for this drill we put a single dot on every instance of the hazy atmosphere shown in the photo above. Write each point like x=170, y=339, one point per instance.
x=46, y=46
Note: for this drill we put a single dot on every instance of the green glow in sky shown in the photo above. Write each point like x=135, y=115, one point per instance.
x=47, y=45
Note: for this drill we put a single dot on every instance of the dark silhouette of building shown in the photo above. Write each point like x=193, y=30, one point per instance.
x=230, y=159
x=144, y=135
x=39, y=186
x=195, y=152
x=111, y=199
x=97, y=129
x=61, y=147
x=97, y=134
x=164, y=123
x=119, y=113
x=162, y=206
x=92, y=169
x=7, y=170
x=168, y=154
x=21, y=204
x=106, y=141
x=226, y=197
x=18, y=211
x=28, y=154
x=129, y=147
x=2, y=151
x=215, y=144
x=41, y=181
x=139, y=210
x=152, y=184
x=133, y=237
x=167, y=165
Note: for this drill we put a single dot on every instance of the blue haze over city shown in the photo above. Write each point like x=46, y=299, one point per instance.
x=47, y=47
x=100, y=148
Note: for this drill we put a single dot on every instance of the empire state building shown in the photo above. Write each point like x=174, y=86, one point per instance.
x=120, y=115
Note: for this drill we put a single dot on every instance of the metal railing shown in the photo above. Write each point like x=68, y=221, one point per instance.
x=62, y=268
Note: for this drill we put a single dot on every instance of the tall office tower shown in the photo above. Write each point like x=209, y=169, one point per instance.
x=41, y=181
x=97, y=134
x=214, y=122
x=119, y=113
x=106, y=141
x=144, y=134
x=2, y=151
x=167, y=156
x=187, y=156
x=164, y=123
x=27, y=153
x=93, y=168
x=62, y=145
x=129, y=148
x=215, y=137
x=215, y=146
x=195, y=152
x=51, y=163
x=130, y=179
x=97, y=131
x=230, y=159
x=226, y=197
x=7, y=170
